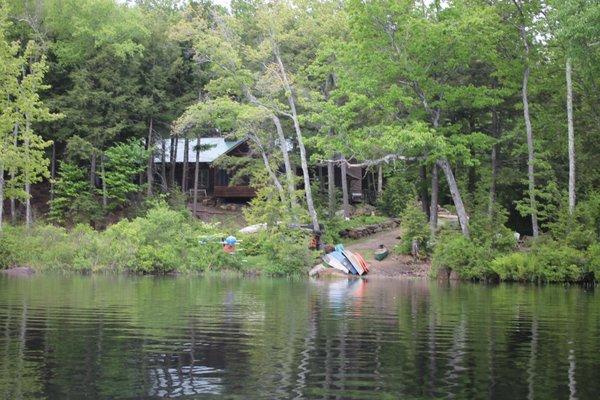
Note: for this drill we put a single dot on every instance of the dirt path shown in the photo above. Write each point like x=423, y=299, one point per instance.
x=395, y=265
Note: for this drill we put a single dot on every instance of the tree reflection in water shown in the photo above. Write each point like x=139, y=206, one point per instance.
x=104, y=337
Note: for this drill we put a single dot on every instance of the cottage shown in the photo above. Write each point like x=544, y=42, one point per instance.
x=213, y=181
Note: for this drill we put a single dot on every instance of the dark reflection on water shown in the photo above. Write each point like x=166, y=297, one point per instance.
x=129, y=338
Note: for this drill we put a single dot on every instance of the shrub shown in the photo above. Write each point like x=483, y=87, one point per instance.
x=282, y=251
x=460, y=254
x=593, y=257
x=413, y=224
x=548, y=262
x=514, y=267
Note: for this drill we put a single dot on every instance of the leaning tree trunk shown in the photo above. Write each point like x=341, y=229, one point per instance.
x=456, y=198
x=273, y=177
x=530, y=149
x=303, y=159
x=345, y=199
x=289, y=173
x=196, y=175
x=184, y=173
x=150, y=167
x=571, y=137
x=433, y=213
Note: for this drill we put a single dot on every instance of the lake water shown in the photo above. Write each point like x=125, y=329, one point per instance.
x=194, y=338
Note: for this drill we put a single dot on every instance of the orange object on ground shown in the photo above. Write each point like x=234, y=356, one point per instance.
x=228, y=248
x=362, y=261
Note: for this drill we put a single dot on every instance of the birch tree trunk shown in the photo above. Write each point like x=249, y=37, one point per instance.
x=435, y=187
x=196, y=175
x=456, y=198
x=303, y=160
x=28, y=215
x=529, y=131
x=331, y=188
x=571, y=133
x=149, y=169
x=273, y=177
x=345, y=201
x=289, y=173
x=184, y=173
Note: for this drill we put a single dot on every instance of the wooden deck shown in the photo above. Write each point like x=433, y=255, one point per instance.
x=234, y=191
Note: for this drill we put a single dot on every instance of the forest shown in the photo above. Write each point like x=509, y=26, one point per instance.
x=487, y=108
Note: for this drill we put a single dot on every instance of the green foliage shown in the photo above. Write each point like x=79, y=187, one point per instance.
x=285, y=252
x=333, y=227
x=73, y=200
x=460, y=254
x=413, y=224
x=549, y=262
x=124, y=162
x=397, y=194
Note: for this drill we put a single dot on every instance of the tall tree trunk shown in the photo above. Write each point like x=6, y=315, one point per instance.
x=345, y=199
x=433, y=214
x=379, y=180
x=424, y=194
x=93, y=170
x=289, y=172
x=163, y=163
x=530, y=148
x=150, y=167
x=104, y=192
x=13, y=206
x=571, y=137
x=174, y=143
x=283, y=146
x=456, y=198
x=52, y=170
x=184, y=173
x=273, y=177
x=331, y=187
x=196, y=175
x=494, y=162
x=28, y=213
x=303, y=159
